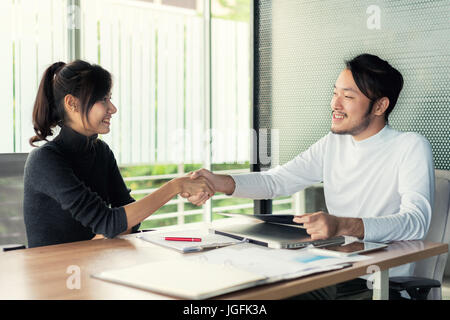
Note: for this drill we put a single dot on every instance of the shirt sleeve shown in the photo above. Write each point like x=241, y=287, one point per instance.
x=50, y=174
x=302, y=171
x=416, y=188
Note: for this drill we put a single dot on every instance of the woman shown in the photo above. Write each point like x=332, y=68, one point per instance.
x=73, y=188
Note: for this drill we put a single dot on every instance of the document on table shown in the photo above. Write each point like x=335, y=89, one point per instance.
x=224, y=270
x=275, y=264
x=183, y=278
x=209, y=240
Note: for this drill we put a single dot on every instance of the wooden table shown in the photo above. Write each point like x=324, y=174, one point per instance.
x=49, y=272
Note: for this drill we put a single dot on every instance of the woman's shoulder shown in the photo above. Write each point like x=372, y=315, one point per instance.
x=49, y=149
x=43, y=156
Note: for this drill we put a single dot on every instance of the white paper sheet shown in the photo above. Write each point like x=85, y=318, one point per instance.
x=208, y=240
x=274, y=263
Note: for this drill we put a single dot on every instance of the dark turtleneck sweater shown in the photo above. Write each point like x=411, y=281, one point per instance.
x=73, y=190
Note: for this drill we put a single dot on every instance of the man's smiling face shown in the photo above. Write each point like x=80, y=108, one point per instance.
x=351, y=109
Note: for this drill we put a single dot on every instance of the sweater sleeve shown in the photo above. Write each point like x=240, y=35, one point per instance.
x=51, y=175
x=117, y=189
x=297, y=174
x=416, y=188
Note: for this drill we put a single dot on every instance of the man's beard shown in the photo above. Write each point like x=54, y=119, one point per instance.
x=360, y=127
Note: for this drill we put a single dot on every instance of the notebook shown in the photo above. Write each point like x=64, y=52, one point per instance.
x=209, y=240
x=183, y=278
x=274, y=235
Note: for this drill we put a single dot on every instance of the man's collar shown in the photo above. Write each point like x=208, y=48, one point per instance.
x=380, y=136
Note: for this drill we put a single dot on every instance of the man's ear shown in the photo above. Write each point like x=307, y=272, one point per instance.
x=381, y=106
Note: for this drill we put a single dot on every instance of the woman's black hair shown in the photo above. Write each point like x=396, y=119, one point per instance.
x=87, y=82
x=376, y=79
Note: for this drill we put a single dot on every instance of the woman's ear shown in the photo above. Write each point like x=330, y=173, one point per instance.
x=70, y=103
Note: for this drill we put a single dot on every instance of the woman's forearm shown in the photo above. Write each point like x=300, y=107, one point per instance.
x=141, y=209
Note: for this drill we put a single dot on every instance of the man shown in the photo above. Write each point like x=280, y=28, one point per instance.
x=378, y=182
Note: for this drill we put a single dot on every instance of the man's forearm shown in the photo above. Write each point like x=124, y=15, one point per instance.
x=350, y=227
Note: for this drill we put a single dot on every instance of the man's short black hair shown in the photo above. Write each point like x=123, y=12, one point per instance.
x=376, y=79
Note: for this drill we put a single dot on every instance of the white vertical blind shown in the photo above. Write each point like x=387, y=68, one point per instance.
x=6, y=78
x=27, y=78
x=194, y=90
x=243, y=105
x=157, y=58
x=230, y=91
x=35, y=29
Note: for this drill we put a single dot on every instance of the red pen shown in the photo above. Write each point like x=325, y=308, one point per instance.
x=183, y=239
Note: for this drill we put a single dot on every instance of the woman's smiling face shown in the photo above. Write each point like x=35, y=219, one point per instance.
x=98, y=118
x=100, y=115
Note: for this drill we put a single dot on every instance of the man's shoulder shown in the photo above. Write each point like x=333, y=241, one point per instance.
x=321, y=145
x=412, y=145
x=327, y=137
x=411, y=139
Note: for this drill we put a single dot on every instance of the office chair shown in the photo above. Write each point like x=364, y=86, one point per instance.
x=12, y=227
x=428, y=273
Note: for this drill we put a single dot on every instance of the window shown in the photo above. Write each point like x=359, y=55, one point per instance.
x=156, y=53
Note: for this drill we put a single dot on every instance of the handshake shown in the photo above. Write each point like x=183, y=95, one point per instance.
x=200, y=185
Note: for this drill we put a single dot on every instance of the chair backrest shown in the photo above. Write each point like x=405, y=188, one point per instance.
x=439, y=231
x=12, y=227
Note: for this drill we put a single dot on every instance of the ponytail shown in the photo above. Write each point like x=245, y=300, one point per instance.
x=47, y=112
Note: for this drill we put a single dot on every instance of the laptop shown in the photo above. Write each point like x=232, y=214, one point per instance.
x=274, y=235
x=284, y=219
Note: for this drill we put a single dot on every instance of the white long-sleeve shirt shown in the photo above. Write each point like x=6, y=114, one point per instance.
x=386, y=179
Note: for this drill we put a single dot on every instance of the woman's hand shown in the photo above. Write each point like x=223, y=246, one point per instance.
x=219, y=182
x=200, y=187
x=139, y=210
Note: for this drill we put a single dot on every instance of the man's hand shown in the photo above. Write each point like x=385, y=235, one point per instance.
x=321, y=225
x=220, y=183
x=199, y=187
